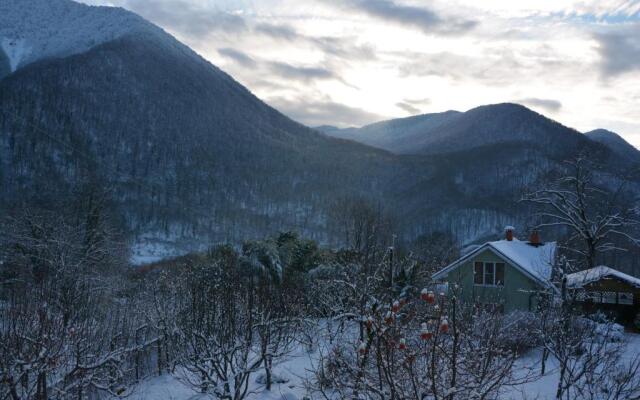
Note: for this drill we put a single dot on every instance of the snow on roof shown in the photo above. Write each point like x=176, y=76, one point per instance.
x=579, y=279
x=536, y=260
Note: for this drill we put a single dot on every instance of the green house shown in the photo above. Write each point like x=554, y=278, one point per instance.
x=504, y=275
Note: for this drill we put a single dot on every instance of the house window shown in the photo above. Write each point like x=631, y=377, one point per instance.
x=609, y=297
x=500, y=274
x=593, y=297
x=625, y=298
x=478, y=273
x=488, y=273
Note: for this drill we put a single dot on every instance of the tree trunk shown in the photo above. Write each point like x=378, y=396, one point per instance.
x=159, y=357
x=267, y=369
x=454, y=355
x=12, y=390
x=559, y=391
x=591, y=254
x=42, y=383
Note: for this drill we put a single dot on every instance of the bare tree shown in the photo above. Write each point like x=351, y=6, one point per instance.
x=590, y=357
x=57, y=327
x=219, y=347
x=364, y=228
x=416, y=349
x=594, y=216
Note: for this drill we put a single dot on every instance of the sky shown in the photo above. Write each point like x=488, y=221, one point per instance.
x=354, y=62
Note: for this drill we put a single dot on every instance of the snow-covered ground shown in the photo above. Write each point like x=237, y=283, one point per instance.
x=298, y=370
x=15, y=50
x=156, y=246
x=545, y=387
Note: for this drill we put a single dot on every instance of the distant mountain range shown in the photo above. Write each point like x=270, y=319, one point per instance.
x=191, y=157
x=615, y=143
x=482, y=126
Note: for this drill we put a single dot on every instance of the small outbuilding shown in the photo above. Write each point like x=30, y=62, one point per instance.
x=607, y=290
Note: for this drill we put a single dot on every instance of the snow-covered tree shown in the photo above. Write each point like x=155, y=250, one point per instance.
x=590, y=356
x=596, y=217
x=60, y=331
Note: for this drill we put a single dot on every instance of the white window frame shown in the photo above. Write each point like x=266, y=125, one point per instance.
x=627, y=300
x=484, y=273
x=593, y=296
x=609, y=297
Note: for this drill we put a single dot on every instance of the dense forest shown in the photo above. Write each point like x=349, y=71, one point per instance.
x=191, y=157
x=79, y=322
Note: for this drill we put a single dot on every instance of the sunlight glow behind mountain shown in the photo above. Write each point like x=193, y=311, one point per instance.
x=354, y=62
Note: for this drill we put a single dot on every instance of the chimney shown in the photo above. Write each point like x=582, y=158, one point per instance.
x=508, y=233
x=534, y=239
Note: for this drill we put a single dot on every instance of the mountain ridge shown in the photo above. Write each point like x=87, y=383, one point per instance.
x=616, y=143
x=190, y=151
x=454, y=130
x=33, y=30
x=191, y=157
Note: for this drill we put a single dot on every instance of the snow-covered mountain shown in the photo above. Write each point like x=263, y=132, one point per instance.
x=616, y=143
x=402, y=135
x=98, y=96
x=33, y=30
x=191, y=154
x=452, y=131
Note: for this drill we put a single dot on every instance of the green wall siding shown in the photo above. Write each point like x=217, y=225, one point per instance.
x=516, y=294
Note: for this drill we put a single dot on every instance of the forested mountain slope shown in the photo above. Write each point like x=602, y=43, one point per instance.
x=452, y=131
x=190, y=157
x=615, y=143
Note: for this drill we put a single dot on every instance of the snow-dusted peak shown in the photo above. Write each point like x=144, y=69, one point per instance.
x=31, y=30
x=16, y=50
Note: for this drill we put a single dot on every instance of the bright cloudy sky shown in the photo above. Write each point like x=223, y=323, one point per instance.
x=353, y=62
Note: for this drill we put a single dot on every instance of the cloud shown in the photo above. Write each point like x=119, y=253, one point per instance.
x=278, y=68
x=321, y=112
x=556, y=52
x=546, y=104
x=412, y=106
x=442, y=64
x=185, y=17
x=408, y=108
x=238, y=56
x=496, y=66
x=283, y=32
x=425, y=19
x=343, y=46
x=299, y=73
x=619, y=50
x=491, y=68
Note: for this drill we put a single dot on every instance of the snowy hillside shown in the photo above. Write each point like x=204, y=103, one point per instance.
x=451, y=131
x=402, y=135
x=32, y=30
x=615, y=143
x=194, y=157
x=298, y=370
